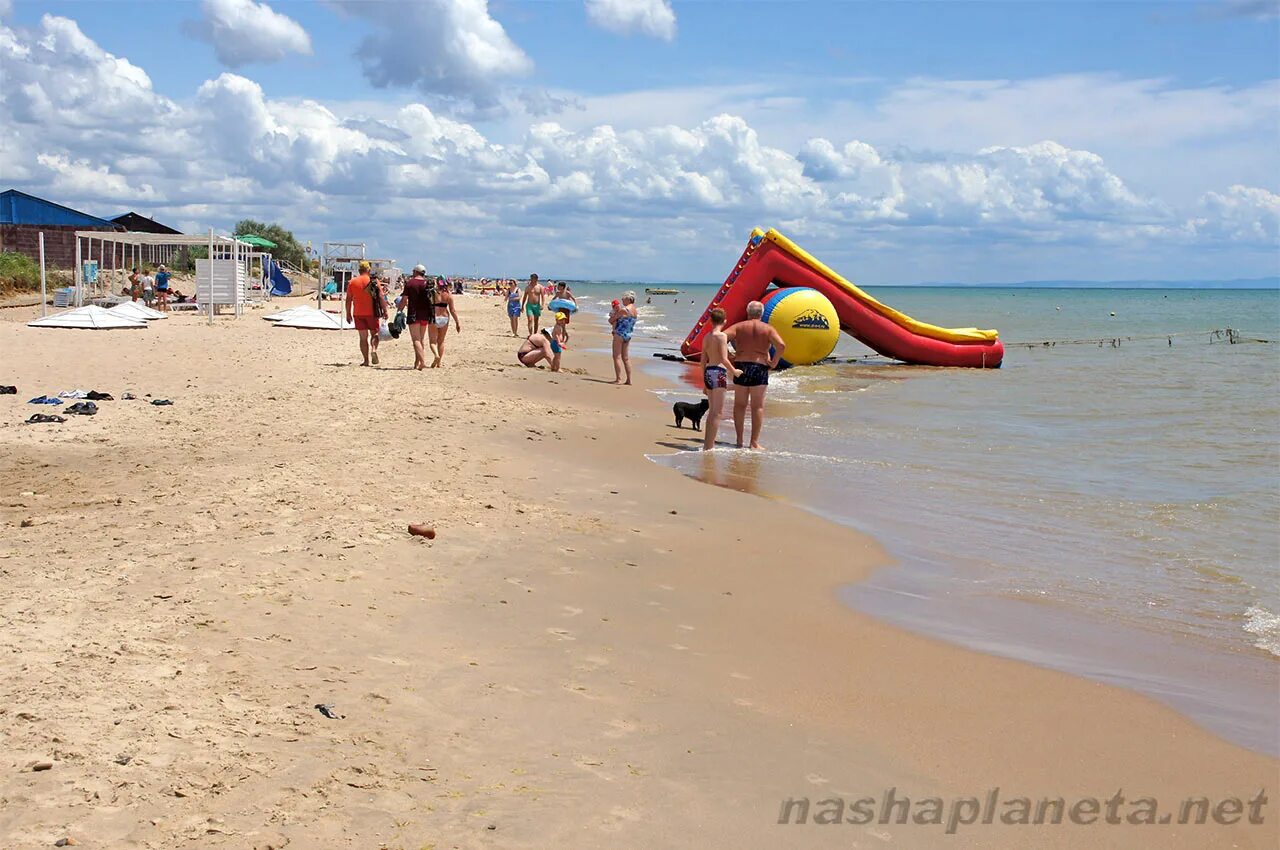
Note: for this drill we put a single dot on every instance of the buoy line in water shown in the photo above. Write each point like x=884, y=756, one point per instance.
x=1231, y=336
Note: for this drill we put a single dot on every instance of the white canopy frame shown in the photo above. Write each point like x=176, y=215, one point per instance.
x=120, y=250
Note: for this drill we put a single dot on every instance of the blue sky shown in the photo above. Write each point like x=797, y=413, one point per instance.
x=641, y=138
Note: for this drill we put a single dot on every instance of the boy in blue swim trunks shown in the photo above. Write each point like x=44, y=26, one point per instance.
x=716, y=371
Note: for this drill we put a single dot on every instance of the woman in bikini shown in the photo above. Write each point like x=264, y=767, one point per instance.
x=442, y=305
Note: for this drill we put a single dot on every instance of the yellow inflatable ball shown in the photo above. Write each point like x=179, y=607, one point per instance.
x=806, y=321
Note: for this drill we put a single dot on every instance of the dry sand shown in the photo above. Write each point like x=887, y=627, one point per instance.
x=594, y=651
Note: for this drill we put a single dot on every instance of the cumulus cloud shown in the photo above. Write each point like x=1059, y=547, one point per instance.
x=450, y=48
x=1242, y=214
x=648, y=17
x=584, y=195
x=243, y=31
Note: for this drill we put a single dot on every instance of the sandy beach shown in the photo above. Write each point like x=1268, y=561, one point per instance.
x=594, y=651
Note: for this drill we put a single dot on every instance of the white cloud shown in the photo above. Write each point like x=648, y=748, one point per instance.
x=647, y=17
x=6, y=6
x=1242, y=214
x=449, y=48
x=243, y=31
x=656, y=197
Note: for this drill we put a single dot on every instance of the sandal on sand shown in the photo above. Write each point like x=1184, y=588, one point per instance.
x=94, y=395
x=326, y=708
x=160, y=402
x=7, y=390
x=38, y=418
x=83, y=408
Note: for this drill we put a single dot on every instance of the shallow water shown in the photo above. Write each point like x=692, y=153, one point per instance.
x=1112, y=509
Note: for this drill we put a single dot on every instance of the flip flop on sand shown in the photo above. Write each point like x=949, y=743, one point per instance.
x=160, y=402
x=38, y=418
x=83, y=408
x=7, y=390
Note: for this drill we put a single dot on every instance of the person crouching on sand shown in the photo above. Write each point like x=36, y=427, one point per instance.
x=360, y=311
x=752, y=340
x=717, y=368
x=538, y=347
x=415, y=300
x=443, y=308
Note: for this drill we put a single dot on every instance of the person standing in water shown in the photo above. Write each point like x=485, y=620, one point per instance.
x=415, y=300
x=752, y=342
x=532, y=302
x=360, y=311
x=513, y=306
x=717, y=368
x=624, y=325
x=442, y=307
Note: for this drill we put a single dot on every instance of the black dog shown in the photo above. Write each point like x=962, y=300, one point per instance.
x=693, y=412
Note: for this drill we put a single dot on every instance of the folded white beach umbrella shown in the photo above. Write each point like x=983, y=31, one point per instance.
x=134, y=310
x=281, y=315
x=312, y=319
x=91, y=317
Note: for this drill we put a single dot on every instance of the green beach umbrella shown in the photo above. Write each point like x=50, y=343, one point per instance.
x=256, y=240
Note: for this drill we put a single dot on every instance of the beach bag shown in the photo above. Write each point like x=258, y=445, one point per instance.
x=384, y=330
x=397, y=325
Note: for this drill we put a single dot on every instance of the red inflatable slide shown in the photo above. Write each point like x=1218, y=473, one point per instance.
x=772, y=259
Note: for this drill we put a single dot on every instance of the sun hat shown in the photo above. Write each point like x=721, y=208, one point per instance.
x=562, y=316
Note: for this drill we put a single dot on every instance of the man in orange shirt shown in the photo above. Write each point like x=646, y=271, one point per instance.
x=362, y=312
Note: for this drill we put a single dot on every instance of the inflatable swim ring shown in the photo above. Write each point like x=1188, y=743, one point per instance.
x=558, y=304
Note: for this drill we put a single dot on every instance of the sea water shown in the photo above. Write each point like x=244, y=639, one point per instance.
x=1110, y=508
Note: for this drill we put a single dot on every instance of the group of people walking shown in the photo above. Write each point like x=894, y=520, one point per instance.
x=744, y=353
x=427, y=308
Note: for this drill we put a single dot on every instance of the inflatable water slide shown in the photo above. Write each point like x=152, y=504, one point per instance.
x=772, y=259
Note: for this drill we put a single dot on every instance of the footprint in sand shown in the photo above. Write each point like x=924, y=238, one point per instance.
x=563, y=634
x=570, y=610
x=678, y=646
x=686, y=627
x=619, y=728
x=745, y=703
x=817, y=779
x=591, y=663
x=739, y=676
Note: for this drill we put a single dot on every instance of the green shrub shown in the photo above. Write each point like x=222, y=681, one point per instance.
x=18, y=271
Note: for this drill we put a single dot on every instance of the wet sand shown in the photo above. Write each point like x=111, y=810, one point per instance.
x=595, y=651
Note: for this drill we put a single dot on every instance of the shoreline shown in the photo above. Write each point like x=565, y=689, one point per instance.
x=594, y=652
x=1229, y=694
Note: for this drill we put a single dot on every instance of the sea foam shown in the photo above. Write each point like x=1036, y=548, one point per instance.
x=1265, y=627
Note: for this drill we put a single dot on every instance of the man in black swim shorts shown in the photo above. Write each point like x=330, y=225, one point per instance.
x=757, y=349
